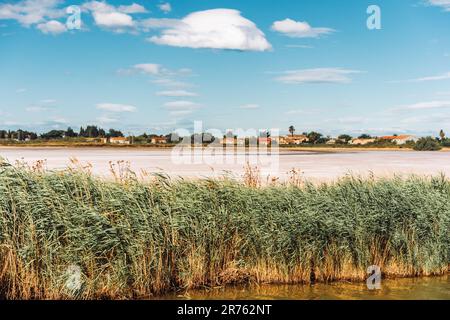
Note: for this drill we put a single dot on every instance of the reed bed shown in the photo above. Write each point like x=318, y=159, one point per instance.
x=135, y=239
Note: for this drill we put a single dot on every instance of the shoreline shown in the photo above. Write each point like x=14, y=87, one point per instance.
x=317, y=149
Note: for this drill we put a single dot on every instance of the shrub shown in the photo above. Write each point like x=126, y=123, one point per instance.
x=445, y=142
x=427, y=144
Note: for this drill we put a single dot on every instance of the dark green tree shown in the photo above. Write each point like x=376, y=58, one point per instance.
x=427, y=144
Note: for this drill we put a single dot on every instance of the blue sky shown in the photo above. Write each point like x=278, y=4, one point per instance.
x=149, y=65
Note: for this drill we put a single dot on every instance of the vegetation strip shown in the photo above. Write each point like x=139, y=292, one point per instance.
x=137, y=239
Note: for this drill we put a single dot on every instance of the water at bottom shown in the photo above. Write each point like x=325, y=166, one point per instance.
x=426, y=288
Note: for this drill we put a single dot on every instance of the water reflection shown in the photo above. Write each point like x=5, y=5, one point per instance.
x=398, y=289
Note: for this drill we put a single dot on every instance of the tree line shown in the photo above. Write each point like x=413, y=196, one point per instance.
x=88, y=132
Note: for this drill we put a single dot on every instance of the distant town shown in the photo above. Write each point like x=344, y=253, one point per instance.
x=94, y=135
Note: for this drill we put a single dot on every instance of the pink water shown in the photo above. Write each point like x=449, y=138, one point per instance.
x=315, y=166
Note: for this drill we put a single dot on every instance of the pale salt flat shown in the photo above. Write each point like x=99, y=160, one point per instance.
x=316, y=166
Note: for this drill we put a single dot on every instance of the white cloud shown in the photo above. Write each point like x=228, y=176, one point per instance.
x=112, y=107
x=149, y=68
x=180, y=108
x=36, y=109
x=213, y=29
x=21, y=90
x=52, y=27
x=320, y=75
x=180, y=113
x=445, y=4
x=426, y=105
x=118, y=19
x=162, y=23
x=250, y=106
x=176, y=93
x=107, y=119
x=132, y=8
x=444, y=76
x=295, y=112
x=29, y=12
x=113, y=19
x=165, y=7
x=167, y=82
x=60, y=121
x=180, y=105
x=48, y=101
x=297, y=29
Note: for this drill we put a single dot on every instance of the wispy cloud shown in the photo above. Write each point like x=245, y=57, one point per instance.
x=149, y=68
x=317, y=76
x=180, y=113
x=298, y=29
x=181, y=104
x=117, y=108
x=444, y=4
x=250, y=106
x=168, y=82
x=107, y=119
x=36, y=109
x=176, y=93
x=444, y=76
x=425, y=105
x=295, y=112
x=165, y=7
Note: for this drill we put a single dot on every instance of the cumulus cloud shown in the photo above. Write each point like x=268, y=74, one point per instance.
x=113, y=19
x=176, y=93
x=118, y=19
x=298, y=29
x=445, y=4
x=320, y=75
x=165, y=7
x=52, y=27
x=117, y=108
x=213, y=29
x=132, y=8
x=30, y=12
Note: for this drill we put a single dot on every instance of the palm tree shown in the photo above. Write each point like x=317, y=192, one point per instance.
x=291, y=130
x=442, y=135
